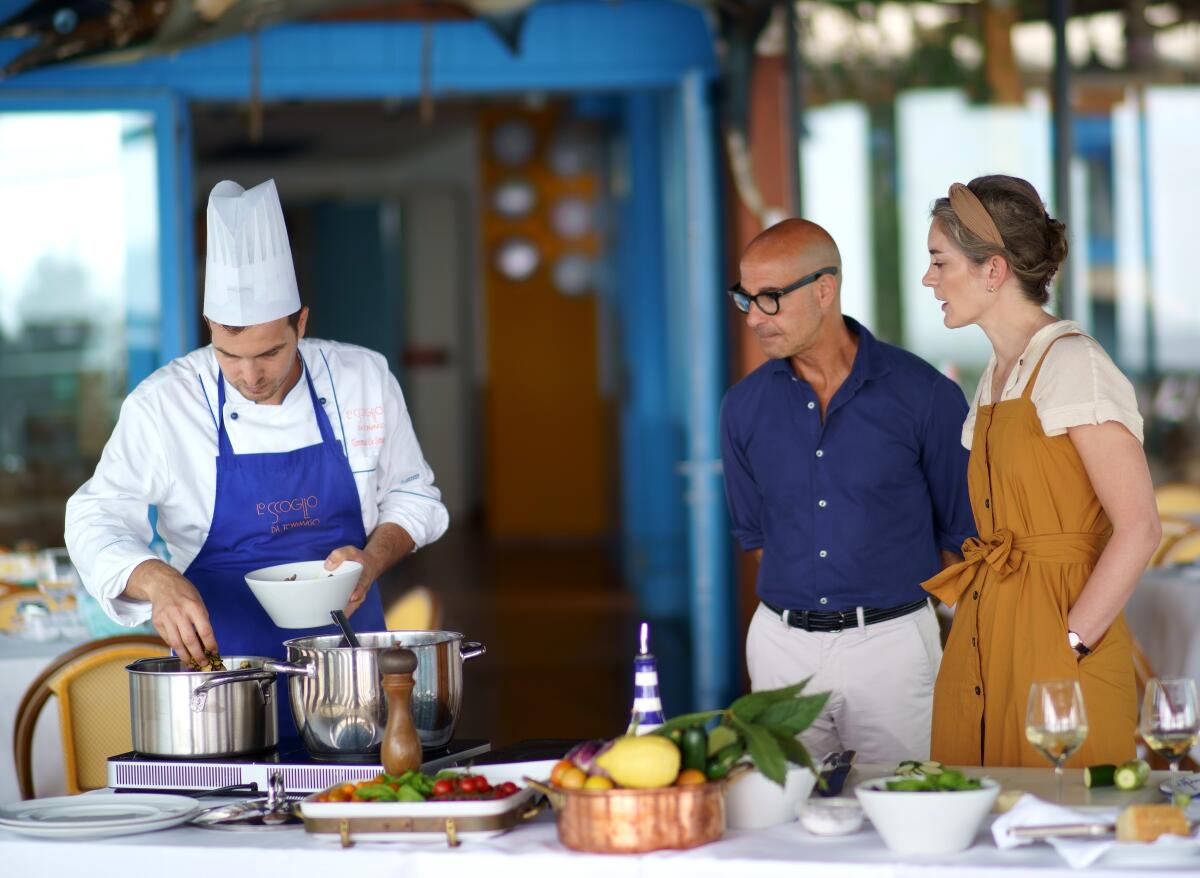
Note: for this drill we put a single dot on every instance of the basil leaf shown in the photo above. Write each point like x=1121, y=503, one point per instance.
x=764, y=750
x=750, y=707
x=795, y=714
x=687, y=721
x=793, y=749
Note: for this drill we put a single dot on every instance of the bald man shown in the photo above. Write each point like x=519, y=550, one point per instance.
x=846, y=477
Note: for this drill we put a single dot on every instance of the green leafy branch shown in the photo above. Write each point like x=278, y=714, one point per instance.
x=766, y=723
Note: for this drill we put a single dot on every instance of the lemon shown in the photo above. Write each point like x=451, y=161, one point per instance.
x=597, y=782
x=641, y=761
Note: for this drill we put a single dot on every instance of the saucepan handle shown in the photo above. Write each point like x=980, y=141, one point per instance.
x=470, y=649
x=200, y=693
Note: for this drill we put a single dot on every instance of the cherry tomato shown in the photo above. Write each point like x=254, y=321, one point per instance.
x=506, y=789
x=482, y=785
x=443, y=787
x=468, y=784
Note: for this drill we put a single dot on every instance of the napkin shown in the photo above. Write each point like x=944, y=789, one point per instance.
x=1079, y=853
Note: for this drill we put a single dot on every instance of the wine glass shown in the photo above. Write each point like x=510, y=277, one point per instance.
x=1056, y=723
x=1170, y=720
x=58, y=580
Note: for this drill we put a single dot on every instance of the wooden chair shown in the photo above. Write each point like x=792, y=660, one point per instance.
x=418, y=609
x=92, y=688
x=1178, y=498
x=1142, y=672
x=1173, y=527
x=1184, y=549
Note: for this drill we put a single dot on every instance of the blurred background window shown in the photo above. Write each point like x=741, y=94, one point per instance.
x=79, y=300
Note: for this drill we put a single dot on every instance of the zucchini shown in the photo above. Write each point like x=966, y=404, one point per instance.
x=693, y=747
x=720, y=764
x=1099, y=776
x=1132, y=775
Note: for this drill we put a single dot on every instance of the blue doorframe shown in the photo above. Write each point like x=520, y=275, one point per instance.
x=177, y=331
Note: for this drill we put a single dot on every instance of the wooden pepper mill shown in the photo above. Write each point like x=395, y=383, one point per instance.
x=401, y=750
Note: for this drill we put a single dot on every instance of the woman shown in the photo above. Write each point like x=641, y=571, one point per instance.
x=1059, y=486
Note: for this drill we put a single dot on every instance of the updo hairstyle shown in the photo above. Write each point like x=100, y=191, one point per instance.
x=1035, y=242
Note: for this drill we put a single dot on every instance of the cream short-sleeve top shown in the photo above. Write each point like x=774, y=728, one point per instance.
x=1079, y=384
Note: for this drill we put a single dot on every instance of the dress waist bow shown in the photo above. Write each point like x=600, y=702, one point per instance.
x=1004, y=552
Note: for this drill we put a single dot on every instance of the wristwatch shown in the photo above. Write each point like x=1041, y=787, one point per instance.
x=1077, y=644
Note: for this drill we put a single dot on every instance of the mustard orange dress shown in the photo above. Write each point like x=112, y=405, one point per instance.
x=1041, y=530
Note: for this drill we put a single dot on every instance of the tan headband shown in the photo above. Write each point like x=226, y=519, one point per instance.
x=974, y=215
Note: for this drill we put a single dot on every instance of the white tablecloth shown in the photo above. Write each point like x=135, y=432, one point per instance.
x=1164, y=616
x=532, y=849
x=20, y=662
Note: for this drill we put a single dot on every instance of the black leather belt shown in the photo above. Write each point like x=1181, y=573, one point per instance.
x=815, y=620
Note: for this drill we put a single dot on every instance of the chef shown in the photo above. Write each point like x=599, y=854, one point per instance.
x=263, y=448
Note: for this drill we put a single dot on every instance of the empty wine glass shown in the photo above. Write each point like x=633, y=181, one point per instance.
x=1170, y=721
x=1056, y=723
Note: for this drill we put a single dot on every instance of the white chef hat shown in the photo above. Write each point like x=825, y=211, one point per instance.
x=248, y=275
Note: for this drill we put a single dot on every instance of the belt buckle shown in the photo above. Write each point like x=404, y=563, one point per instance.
x=841, y=621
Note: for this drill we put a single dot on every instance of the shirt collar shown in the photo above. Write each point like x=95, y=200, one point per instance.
x=868, y=360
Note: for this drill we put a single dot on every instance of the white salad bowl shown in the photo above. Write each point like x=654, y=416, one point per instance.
x=306, y=600
x=753, y=801
x=926, y=822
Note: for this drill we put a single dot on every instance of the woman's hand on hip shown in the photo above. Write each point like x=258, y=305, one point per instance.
x=176, y=610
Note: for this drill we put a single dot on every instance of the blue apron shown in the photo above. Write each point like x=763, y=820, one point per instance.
x=258, y=495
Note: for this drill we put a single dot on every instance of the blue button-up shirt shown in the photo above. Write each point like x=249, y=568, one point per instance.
x=851, y=511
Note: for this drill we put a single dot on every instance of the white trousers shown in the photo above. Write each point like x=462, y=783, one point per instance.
x=880, y=678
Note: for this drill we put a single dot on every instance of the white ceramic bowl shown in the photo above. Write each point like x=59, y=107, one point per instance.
x=834, y=816
x=941, y=822
x=752, y=801
x=307, y=600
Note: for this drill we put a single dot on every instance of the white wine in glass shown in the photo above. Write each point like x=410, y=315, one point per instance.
x=1056, y=723
x=1170, y=721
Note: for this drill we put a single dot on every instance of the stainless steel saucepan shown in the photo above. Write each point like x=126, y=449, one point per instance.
x=175, y=711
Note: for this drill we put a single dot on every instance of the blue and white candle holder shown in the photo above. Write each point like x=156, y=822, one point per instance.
x=647, y=713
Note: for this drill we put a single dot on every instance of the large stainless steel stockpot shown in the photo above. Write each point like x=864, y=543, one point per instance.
x=339, y=705
x=175, y=711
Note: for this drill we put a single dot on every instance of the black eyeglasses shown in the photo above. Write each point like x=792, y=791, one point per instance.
x=768, y=300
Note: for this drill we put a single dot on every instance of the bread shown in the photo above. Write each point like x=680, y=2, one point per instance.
x=1148, y=822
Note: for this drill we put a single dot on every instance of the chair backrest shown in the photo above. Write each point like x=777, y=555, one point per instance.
x=92, y=689
x=1177, y=498
x=418, y=609
x=1173, y=527
x=1184, y=549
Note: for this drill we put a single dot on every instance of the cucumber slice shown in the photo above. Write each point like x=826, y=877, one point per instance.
x=1132, y=775
x=1099, y=776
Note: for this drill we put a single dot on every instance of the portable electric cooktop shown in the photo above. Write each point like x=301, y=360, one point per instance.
x=135, y=773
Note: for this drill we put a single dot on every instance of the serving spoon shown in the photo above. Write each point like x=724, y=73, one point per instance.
x=347, y=632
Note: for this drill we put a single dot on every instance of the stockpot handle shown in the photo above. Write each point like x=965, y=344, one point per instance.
x=263, y=678
x=470, y=649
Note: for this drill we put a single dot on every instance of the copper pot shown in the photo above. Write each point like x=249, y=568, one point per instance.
x=626, y=821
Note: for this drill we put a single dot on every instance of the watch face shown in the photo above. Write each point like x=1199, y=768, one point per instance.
x=1073, y=639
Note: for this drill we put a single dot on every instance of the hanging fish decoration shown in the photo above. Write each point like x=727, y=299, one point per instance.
x=129, y=30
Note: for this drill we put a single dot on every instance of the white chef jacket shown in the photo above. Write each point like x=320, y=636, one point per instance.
x=163, y=451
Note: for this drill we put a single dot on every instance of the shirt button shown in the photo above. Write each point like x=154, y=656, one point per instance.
x=972, y=641
x=978, y=691
x=321, y=400
x=987, y=504
x=234, y=415
x=822, y=503
x=794, y=378
x=824, y=601
x=975, y=595
x=812, y=405
x=823, y=553
x=820, y=453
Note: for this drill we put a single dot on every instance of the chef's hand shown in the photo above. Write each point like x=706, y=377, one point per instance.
x=176, y=609
x=371, y=568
